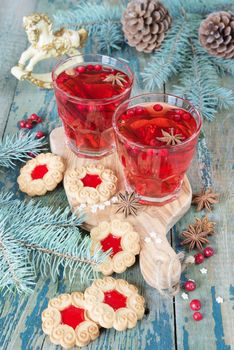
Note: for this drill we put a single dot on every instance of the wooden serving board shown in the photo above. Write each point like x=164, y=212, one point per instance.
x=160, y=265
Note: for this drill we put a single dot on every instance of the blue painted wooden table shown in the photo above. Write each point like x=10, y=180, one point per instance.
x=168, y=323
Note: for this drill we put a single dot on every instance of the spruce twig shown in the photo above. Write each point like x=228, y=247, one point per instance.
x=17, y=147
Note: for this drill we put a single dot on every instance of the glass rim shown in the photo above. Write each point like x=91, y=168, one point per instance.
x=88, y=100
x=139, y=145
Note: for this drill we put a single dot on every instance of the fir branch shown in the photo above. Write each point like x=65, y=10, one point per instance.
x=44, y=240
x=170, y=58
x=223, y=66
x=199, y=83
x=16, y=148
x=102, y=21
x=15, y=274
x=65, y=256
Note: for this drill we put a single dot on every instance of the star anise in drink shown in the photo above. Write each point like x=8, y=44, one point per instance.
x=170, y=138
x=205, y=199
x=116, y=79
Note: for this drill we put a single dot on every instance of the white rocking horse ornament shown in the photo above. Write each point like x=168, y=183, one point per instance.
x=45, y=44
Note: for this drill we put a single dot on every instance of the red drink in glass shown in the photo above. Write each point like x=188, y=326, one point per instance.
x=156, y=142
x=87, y=94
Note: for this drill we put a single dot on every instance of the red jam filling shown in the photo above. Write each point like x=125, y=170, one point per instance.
x=39, y=171
x=113, y=242
x=72, y=316
x=115, y=299
x=91, y=180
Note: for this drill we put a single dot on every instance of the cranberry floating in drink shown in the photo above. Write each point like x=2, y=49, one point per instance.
x=156, y=136
x=88, y=89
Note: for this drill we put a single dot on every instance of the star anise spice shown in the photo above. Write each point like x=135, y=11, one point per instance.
x=194, y=237
x=205, y=199
x=128, y=203
x=205, y=225
x=170, y=138
x=116, y=79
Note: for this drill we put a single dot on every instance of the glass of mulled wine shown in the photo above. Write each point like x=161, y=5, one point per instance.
x=156, y=137
x=88, y=89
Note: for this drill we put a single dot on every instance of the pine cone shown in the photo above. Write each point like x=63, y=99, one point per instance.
x=216, y=34
x=145, y=23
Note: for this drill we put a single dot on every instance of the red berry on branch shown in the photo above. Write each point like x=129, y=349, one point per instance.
x=33, y=117
x=197, y=316
x=22, y=124
x=39, y=120
x=208, y=252
x=195, y=304
x=40, y=134
x=199, y=258
x=32, y=155
x=28, y=125
x=189, y=286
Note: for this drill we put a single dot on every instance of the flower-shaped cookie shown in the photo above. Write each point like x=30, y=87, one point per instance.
x=114, y=303
x=124, y=241
x=90, y=184
x=66, y=321
x=41, y=174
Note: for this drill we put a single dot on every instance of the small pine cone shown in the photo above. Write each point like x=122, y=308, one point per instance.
x=216, y=34
x=145, y=23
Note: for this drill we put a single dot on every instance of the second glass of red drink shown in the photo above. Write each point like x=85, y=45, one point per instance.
x=88, y=89
x=156, y=136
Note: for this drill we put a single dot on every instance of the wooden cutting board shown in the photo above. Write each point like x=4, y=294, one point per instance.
x=159, y=263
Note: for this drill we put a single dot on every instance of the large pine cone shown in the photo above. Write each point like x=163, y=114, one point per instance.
x=216, y=34
x=145, y=23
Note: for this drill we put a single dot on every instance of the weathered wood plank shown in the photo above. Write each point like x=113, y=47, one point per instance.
x=13, y=42
x=216, y=329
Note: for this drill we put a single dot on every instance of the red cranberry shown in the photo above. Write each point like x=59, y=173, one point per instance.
x=197, y=316
x=39, y=120
x=32, y=155
x=22, y=124
x=189, y=286
x=33, y=117
x=81, y=108
x=158, y=107
x=28, y=125
x=186, y=116
x=179, y=111
x=40, y=134
x=199, y=258
x=130, y=112
x=153, y=142
x=195, y=304
x=163, y=152
x=80, y=69
x=208, y=252
x=97, y=67
x=140, y=110
x=90, y=67
x=176, y=117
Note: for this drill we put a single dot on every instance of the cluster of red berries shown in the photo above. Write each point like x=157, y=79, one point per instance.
x=29, y=123
x=190, y=285
x=200, y=257
x=89, y=67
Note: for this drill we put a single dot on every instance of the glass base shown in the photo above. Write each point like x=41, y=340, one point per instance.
x=89, y=154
